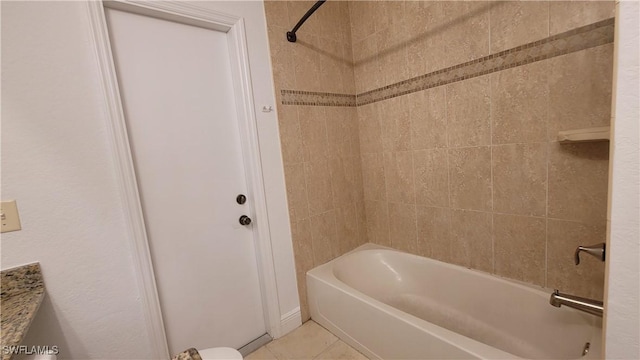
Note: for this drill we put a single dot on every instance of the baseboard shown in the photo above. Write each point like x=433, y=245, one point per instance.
x=290, y=321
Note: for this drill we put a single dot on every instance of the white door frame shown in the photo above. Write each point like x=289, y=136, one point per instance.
x=235, y=29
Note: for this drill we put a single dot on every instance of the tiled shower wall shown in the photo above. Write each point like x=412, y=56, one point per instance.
x=466, y=171
x=469, y=172
x=320, y=144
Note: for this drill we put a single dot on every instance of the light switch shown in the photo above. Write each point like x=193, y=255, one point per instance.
x=9, y=216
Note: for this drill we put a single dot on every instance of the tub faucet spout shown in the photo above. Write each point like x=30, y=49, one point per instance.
x=593, y=307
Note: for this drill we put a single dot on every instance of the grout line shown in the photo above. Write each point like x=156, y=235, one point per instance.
x=449, y=213
x=386, y=182
x=462, y=147
x=415, y=202
x=591, y=222
x=489, y=29
x=546, y=222
x=487, y=212
x=548, y=18
x=328, y=346
x=493, y=205
x=446, y=149
x=266, y=347
x=548, y=164
x=304, y=176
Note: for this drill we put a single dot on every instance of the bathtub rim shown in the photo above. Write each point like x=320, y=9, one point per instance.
x=519, y=283
x=324, y=273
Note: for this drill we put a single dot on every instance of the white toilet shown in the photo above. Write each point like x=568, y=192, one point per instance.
x=220, y=353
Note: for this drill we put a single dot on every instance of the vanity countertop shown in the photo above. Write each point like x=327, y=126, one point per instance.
x=21, y=296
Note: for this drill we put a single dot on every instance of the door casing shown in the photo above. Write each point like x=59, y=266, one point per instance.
x=235, y=29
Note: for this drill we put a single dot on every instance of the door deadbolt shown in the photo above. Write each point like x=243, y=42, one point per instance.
x=244, y=220
x=241, y=199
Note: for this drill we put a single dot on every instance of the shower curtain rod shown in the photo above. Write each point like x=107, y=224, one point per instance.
x=291, y=35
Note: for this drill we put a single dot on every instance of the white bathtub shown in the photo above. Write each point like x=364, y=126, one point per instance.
x=393, y=305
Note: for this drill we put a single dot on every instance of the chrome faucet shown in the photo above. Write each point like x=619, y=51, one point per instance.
x=593, y=307
x=597, y=250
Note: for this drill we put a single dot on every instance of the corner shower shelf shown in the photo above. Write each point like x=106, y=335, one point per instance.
x=601, y=133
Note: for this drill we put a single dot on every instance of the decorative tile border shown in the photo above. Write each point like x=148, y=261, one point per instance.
x=293, y=97
x=581, y=38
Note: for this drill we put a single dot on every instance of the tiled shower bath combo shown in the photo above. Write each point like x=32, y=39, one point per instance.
x=344, y=179
x=431, y=127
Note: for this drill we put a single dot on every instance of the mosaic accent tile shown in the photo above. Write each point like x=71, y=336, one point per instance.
x=293, y=97
x=581, y=38
x=585, y=37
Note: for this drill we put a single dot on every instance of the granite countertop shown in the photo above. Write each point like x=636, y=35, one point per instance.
x=21, y=296
x=189, y=354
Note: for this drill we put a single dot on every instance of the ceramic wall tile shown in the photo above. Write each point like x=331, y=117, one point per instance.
x=519, y=104
x=516, y=23
x=471, y=239
x=520, y=179
x=586, y=279
x=519, y=247
x=403, y=227
x=469, y=112
x=470, y=178
x=431, y=177
x=578, y=181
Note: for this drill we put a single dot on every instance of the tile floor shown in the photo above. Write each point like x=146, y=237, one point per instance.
x=310, y=341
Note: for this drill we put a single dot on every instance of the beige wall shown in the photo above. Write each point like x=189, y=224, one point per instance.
x=468, y=172
x=320, y=144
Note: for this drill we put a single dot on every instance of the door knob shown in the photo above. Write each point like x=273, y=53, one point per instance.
x=241, y=199
x=245, y=220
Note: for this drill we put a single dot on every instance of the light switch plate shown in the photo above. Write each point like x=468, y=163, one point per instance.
x=9, y=216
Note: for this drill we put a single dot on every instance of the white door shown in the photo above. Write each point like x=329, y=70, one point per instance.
x=177, y=91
